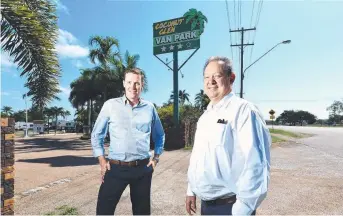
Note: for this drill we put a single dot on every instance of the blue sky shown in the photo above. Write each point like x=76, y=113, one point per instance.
x=305, y=74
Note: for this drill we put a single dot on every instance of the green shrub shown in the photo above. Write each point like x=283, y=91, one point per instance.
x=184, y=136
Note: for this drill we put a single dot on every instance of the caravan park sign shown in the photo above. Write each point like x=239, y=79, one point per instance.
x=179, y=34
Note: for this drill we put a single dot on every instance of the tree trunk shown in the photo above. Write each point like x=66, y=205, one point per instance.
x=48, y=124
x=91, y=125
x=56, y=125
x=89, y=116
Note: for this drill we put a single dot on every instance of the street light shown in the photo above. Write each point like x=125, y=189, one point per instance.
x=282, y=42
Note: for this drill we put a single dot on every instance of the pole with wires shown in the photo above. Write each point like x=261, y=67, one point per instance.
x=241, y=46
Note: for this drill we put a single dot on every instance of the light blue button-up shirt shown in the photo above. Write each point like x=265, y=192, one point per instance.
x=231, y=158
x=129, y=129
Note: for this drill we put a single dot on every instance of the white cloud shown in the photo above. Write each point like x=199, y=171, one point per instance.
x=68, y=47
x=5, y=94
x=64, y=90
x=66, y=37
x=6, y=60
x=61, y=6
x=71, y=51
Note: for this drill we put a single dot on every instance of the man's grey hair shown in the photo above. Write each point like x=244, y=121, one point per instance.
x=225, y=64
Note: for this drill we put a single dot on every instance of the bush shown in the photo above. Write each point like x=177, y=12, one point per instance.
x=184, y=136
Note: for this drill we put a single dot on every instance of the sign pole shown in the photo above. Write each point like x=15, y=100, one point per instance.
x=176, y=88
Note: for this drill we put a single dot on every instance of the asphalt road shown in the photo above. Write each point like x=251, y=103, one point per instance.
x=326, y=139
x=306, y=177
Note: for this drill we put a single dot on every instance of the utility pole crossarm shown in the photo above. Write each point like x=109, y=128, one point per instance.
x=239, y=30
x=248, y=44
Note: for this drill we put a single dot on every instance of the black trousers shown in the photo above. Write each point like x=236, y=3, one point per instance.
x=218, y=209
x=115, y=182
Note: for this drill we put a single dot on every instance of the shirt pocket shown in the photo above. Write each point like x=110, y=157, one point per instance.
x=218, y=134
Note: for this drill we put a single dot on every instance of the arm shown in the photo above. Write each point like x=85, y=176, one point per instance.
x=99, y=132
x=254, y=141
x=158, y=135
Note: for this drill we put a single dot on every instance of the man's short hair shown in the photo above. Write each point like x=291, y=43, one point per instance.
x=225, y=64
x=137, y=71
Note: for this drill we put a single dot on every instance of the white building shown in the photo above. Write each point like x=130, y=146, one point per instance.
x=22, y=125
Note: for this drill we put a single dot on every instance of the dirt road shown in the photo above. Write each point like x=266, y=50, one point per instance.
x=59, y=170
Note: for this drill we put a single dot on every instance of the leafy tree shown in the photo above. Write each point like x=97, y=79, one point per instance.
x=183, y=97
x=19, y=116
x=7, y=111
x=202, y=100
x=336, y=112
x=29, y=34
x=57, y=111
x=293, y=117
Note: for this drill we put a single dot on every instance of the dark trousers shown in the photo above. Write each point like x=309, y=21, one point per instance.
x=218, y=209
x=115, y=182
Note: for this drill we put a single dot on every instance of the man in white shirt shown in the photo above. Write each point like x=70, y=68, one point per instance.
x=229, y=167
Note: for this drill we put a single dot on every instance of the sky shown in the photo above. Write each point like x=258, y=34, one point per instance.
x=303, y=75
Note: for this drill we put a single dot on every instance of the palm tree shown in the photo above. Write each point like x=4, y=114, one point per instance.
x=57, y=111
x=7, y=110
x=122, y=65
x=29, y=34
x=183, y=97
x=85, y=90
x=66, y=114
x=201, y=100
x=196, y=18
x=49, y=113
x=103, y=49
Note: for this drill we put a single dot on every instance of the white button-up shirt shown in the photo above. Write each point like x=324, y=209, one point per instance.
x=231, y=157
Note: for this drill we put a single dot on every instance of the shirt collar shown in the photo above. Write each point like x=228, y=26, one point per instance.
x=218, y=105
x=126, y=101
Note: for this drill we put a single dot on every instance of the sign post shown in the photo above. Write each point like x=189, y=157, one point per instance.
x=172, y=36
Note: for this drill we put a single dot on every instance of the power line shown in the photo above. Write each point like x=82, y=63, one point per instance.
x=259, y=10
x=228, y=17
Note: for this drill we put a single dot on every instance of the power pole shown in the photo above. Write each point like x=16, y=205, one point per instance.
x=242, y=30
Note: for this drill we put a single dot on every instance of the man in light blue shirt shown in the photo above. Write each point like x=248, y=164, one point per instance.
x=131, y=122
x=229, y=167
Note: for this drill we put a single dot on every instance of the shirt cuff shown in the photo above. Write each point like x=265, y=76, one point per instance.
x=240, y=208
x=98, y=152
x=189, y=191
x=158, y=151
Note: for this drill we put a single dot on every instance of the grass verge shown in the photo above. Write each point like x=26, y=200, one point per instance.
x=286, y=133
x=64, y=210
x=276, y=139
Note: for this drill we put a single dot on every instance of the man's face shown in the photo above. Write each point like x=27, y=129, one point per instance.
x=133, y=86
x=216, y=82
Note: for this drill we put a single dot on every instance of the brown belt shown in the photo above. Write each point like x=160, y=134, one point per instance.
x=221, y=201
x=130, y=163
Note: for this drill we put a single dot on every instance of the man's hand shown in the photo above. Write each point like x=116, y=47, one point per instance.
x=104, y=166
x=191, y=204
x=152, y=163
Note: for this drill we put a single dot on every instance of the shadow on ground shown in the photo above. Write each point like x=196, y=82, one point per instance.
x=63, y=161
x=50, y=143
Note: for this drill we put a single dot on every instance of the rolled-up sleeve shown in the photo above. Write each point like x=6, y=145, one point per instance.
x=100, y=130
x=254, y=141
x=157, y=131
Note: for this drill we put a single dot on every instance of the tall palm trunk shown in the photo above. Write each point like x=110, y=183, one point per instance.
x=56, y=124
x=89, y=110
x=48, y=124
